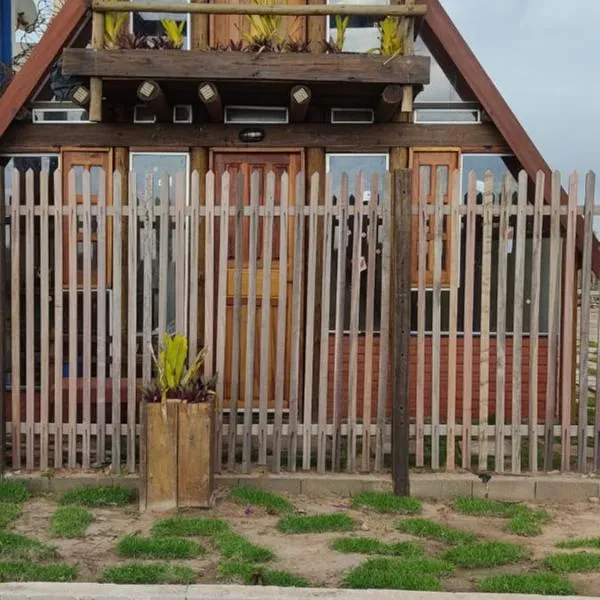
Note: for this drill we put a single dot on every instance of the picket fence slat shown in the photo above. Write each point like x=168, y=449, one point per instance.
x=146, y=258
x=29, y=321
x=58, y=301
x=209, y=269
x=15, y=316
x=132, y=318
x=73, y=280
x=87, y=321
x=101, y=373
x=163, y=259
x=44, y=318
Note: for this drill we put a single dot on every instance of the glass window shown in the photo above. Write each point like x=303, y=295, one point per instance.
x=149, y=170
x=149, y=23
x=500, y=165
x=362, y=34
x=354, y=165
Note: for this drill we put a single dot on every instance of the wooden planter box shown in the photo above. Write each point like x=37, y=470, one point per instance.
x=176, y=455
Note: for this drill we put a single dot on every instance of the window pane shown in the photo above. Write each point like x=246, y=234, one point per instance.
x=149, y=23
x=362, y=34
x=480, y=163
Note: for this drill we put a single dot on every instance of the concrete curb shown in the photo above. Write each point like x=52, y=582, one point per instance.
x=548, y=488
x=97, y=591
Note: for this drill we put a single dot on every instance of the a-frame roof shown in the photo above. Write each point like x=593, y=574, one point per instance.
x=438, y=31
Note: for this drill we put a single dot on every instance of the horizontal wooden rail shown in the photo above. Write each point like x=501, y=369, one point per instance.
x=300, y=10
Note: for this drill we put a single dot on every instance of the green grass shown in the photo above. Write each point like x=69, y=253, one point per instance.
x=254, y=497
x=316, y=523
x=155, y=573
x=13, y=492
x=70, y=522
x=485, y=554
x=481, y=507
x=251, y=575
x=26, y=571
x=135, y=546
x=98, y=496
x=233, y=546
x=19, y=547
x=9, y=512
x=398, y=574
x=366, y=545
x=547, y=584
x=188, y=527
x=579, y=562
x=387, y=503
x=424, y=528
x=580, y=543
x=528, y=523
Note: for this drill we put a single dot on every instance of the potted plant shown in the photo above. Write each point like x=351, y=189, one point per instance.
x=176, y=445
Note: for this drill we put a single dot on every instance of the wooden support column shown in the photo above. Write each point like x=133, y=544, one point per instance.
x=390, y=100
x=316, y=29
x=121, y=164
x=95, y=110
x=210, y=97
x=299, y=103
x=150, y=93
x=199, y=29
x=409, y=48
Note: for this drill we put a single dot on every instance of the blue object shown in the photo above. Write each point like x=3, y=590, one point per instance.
x=6, y=32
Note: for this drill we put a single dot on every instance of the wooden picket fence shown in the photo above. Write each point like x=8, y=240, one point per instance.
x=294, y=307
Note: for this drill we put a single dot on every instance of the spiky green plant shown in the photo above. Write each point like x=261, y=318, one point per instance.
x=264, y=31
x=391, y=37
x=113, y=26
x=174, y=31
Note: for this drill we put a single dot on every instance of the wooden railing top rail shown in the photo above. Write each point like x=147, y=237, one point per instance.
x=300, y=10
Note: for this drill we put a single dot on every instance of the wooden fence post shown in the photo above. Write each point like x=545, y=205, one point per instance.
x=401, y=251
x=2, y=322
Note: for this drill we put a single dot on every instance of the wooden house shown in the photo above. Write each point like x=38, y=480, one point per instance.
x=89, y=111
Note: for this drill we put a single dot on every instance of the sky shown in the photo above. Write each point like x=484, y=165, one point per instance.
x=543, y=57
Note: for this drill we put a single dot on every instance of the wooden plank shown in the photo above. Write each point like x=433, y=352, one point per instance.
x=3, y=317
x=534, y=319
x=280, y=363
x=237, y=320
x=132, y=318
x=58, y=318
x=454, y=263
x=163, y=253
x=423, y=229
x=72, y=279
x=484, y=341
x=568, y=312
x=468, y=324
x=265, y=316
x=377, y=137
x=86, y=441
x=584, y=332
x=384, y=339
x=101, y=321
x=251, y=320
x=194, y=273
x=180, y=251
x=116, y=319
x=297, y=287
x=401, y=282
x=340, y=245
x=45, y=300
x=222, y=314
x=147, y=254
x=29, y=320
x=506, y=201
x=553, y=323
x=371, y=260
x=518, y=307
x=209, y=275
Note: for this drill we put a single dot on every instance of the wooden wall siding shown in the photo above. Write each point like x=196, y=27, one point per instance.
x=76, y=373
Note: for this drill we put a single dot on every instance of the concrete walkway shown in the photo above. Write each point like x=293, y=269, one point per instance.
x=96, y=591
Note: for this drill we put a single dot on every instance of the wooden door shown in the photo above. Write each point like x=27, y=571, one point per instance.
x=99, y=164
x=246, y=164
x=431, y=171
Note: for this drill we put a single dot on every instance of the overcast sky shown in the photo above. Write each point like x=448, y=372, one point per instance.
x=543, y=57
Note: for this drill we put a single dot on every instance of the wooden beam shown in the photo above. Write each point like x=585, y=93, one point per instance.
x=150, y=93
x=236, y=66
x=29, y=137
x=97, y=43
x=294, y=10
x=300, y=97
x=210, y=97
x=390, y=100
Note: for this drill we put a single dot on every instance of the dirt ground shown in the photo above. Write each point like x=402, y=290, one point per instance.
x=309, y=555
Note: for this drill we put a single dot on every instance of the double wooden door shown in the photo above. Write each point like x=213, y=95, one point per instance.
x=241, y=166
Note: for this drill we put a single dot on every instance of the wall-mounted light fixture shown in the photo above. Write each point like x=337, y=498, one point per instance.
x=251, y=136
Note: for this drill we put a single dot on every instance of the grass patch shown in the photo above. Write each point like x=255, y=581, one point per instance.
x=547, y=584
x=233, y=546
x=254, y=497
x=485, y=554
x=366, y=545
x=527, y=523
x=135, y=546
x=251, y=575
x=20, y=547
x=25, y=571
x=69, y=522
x=98, y=496
x=482, y=507
x=580, y=543
x=316, y=523
x=13, y=491
x=188, y=527
x=420, y=574
x=9, y=512
x=387, y=503
x=429, y=530
x=155, y=573
x=580, y=562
